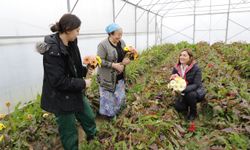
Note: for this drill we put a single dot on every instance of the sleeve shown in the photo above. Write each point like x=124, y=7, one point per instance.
x=54, y=70
x=196, y=83
x=102, y=52
x=84, y=71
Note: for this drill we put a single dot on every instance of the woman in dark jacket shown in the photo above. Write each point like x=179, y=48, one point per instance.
x=188, y=69
x=63, y=83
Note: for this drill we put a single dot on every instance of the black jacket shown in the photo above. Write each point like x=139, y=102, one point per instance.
x=63, y=82
x=193, y=78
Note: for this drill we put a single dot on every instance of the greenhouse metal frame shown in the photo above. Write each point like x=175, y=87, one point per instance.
x=162, y=13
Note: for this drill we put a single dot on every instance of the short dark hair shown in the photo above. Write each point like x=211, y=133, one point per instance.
x=68, y=22
x=190, y=54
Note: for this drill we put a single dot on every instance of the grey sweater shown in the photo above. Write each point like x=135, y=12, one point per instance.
x=106, y=75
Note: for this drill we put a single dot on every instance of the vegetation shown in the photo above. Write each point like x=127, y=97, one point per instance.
x=150, y=121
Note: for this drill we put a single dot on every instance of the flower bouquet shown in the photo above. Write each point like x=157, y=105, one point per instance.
x=92, y=61
x=131, y=52
x=178, y=84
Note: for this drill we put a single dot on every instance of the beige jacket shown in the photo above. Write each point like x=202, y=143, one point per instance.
x=106, y=75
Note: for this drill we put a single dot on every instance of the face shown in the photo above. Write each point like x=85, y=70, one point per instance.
x=184, y=57
x=116, y=37
x=72, y=35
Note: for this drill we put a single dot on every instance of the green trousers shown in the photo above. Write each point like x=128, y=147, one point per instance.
x=68, y=129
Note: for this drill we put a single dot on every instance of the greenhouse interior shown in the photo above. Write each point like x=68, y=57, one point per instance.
x=125, y=74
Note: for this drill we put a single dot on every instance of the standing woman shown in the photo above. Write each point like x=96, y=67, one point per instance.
x=63, y=83
x=111, y=74
x=188, y=69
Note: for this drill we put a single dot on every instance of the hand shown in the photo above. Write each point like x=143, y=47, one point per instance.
x=177, y=92
x=173, y=93
x=118, y=67
x=173, y=76
x=90, y=70
x=126, y=61
x=88, y=82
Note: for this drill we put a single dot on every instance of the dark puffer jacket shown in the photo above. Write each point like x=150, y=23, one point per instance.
x=63, y=82
x=193, y=78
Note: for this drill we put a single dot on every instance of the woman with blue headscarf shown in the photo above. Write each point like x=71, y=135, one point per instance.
x=111, y=74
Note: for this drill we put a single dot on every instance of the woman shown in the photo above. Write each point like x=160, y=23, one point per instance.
x=110, y=75
x=188, y=69
x=63, y=83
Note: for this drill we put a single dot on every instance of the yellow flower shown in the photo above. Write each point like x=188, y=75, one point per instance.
x=178, y=78
x=1, y=138
x=45, y=115
x=135, y=54
x=179, y=88
x=178, y=84
x=7, y=104
x=131, y=52
x=172, y=83
x=126, y=48
x=99, y=60
x=182, y=82
x=86, y=60
x=176, y=87
x=2, y=116
x=2, y=126
x=93, y=62
x=29, y=117
x=182, y=87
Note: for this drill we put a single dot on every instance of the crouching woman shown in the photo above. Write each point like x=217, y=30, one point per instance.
x=188, y=69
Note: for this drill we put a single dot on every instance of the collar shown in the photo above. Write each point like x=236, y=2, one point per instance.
x=184, y=68
x=118, y=44
x=62, y=47
x=178, y=68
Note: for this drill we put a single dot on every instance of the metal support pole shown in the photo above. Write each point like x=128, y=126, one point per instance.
x=205, y=14
x=156, y=36
x=120, y=10
x=142, y=8
x=161, y=28
x=194, y=24
x=68, y=5
x=148, y=29
x=135, y=27
x=210, y=21
x=113, y=5
x=178, y=32
x=228, y=10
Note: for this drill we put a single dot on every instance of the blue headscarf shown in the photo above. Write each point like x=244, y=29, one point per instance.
x=112, y=27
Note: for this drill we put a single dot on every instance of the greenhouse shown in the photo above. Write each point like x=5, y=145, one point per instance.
x=125, y=74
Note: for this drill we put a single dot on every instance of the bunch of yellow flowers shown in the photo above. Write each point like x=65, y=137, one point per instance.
x=92, y=61
x=178, y=84
x=2, y=126
x=131, y=52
